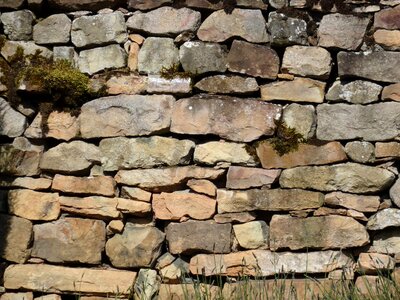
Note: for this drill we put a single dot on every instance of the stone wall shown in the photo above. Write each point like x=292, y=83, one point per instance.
x=232, y=139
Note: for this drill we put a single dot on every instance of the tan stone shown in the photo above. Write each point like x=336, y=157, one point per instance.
x=187, y=291
x=33, y=205
x=203, y=186
x=252, y=235
x=360, y=203
x=133, y=56
x=174, y=206
x=306, y=154
x=133, y=207
x=326, y=211
x=223, y=84
x=389, y=217
x=298, y=90
x=31, y=183
x=99, y=185
x=386, y=241
x=115, y=226
x=388, y=18
x=244, y=178
x=388, y=39
x=49, y=297
x=176, y=270
x=330, y=232
x=135, y=194
x=389, y=149
x=96, y=206
x=373, y=263
x=177, y=85
x=17, y=296
x=137, y=38
x=372, y=287
x=126, y=84
x=391, y=92
x=55, y=279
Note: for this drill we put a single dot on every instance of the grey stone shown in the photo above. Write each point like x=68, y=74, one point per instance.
x=361, y=152
x=55, y=29
x=389, y=217
x=30, y=48
x=13, y=4
x=395, y=193
x=18, y=24
x=387, y=241
x=286, y=31
x=147, y=4
x=302, y=118
x=82, y=5
x=66, y=53
x=375, y=122
x=147, y=284
x=278, y=4
x=357, y=92
x=252, y=235
x=157, y=54
x=12, y=123
x=227, y=84
x=177, y=85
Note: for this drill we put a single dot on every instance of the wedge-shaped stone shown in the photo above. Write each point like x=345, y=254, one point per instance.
x=160, y=179
x=297, y=90
x=55, y=279
x=198, y=236
x=389, y=217
x=70, y=240
x=241, y=120
x=12, y=122
x=137, y=246
x=96, y=206
x=202, y=186
x=267, y=200
x=133, y=207
x=267, y=263
x=345, y=122
x=112, y=56
x=369, y=65
x=244, y=178
x=174, y=206
x=223, y=84
x=241, y=217
x=357, y=92
x=360, y=203
x=33, y=205
x=349, y=177
x=306, y=154
x=165, y=21
x=388, y=18
x=135, y=194
x=330, y=232
x=98, y=185
x=247, y=24
x=69, y=158
x=123, y=153
x=126, y=115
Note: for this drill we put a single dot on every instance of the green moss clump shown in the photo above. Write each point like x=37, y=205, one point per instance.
x=287, y=139
x=174, y=71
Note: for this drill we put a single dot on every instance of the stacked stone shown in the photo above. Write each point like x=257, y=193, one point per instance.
x=170, y=178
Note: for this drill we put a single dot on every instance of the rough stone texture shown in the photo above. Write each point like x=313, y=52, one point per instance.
x=147, y=4
x=203, y=186
x=388, y=39
x=361, y=152
x=241, y=120
x=69, y=158
x=390, y=149
x=16, y=236
x=157, y=54
x=113, y=56
x=286, y=30
x=70, y=240
x=147, y=284
x=13, y=4
x=66, y=52
x=133, y=56
x=188, y=290
x=267, y=200
x=252, y=235
x=244, y=57
x=177, y=205
x=349, y=177
x=357, y=92
x=387, y=242
x=132, y=207
x=388, y=18
x=330, y=232
x=30, y=48
x=95, y=206
x=258, y=263
x=199, y=57
x=342, y=31
x=27, y=183
x=55, y=29
x=198, y=236
x=33, y=205
x=245, y=23
x=213, y=5
x=391, y=92
x=175, y=271
x=244, y=178
x=343, y=121
x=126, y=84
x=307, y=62
x=212, y=153
x=223, y=84
x=300, y=117
x=241, y=217
x=82, y=5
x=158, y=85
x=135, y=247
x=99, y=185
x=55, y=279
x=12, y=122
x=18, y=24
x=135, y=194
x=165, y=21
x=306, y=154
x=373, y=263
x=395, y=193
x=298, y=90
x=126, y=115
x=389, y=217
x=358, y=202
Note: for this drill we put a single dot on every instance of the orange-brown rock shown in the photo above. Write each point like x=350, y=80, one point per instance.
x=95, y=206
x=388, y=149
x=374, y=263
x=360, y=203
x=133, y=56
x=98, y=185
x=372, y=287
x=391, y=92
x=239, y=217
x=188, y=291
x=17, y=296
x=244, y=177
x=133, y=207
x=135, y=194
x=202, y=186
x=31, y=183
x=126, y=84
x=388, y=39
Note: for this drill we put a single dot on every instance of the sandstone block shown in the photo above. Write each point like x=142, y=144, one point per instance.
x=202, y=186
x=13, y=4
x=133, y=207
x=388, y=39
x=147, y=4
x=240, y=217
x=388, y=18
x=55, y=29
x=300, y=117
x=244, y=178
x=113, y=56
x=387, y=241
x=126, y=84
x=95, y=206
x=373, y=263
x=99, y=185
x=135, y=194
x=28, y=183
x=223, y=84
x=181, y=291
x=158, y=85
x=360, y=203
x=391, y=92
x=252, y=235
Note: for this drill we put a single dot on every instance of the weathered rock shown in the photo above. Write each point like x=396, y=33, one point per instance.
x=12, y=122
x=175, y=271
x=135, y=194
x=84, y=5
x=55, y=279
x=387, y=241
x=147, y=4
x=389, y=217
x=18, y=24
x=361, y=152
x=126, y=115
x=395, y=193
x=244, y=178
x=259, y=263
x=213, y=5
x=112, y=56
x=10, y=48
x=198, y=236
x=159, y=179
x=357, y=92
x=188, y=290
x=298, y=90
x=244, y=57
x=330, y=232
x=126, y=84
x=55, y=29
x=240, y=217
x=95, y=206
x=358, y=202
x=165, y=21
x=147, y=284
x=66, y=53
x=13, y=4
x=267, y=200
x=286, y=30
x=133, y=56
x=391, y=92
x=306, y=154
x=99, y=185
x=300, y=117
x=223, y=84
x=135, y=247
x=307, y=61
x=69, y=158
x=115, y=226
x=241, y=120
x=373, y=263
x=177, y=85
x=177, y=205
x=27, y=183
x=245, y=23
x=373, y=286
x=252, y=235
x=123, y=153
x=342, y=31
x=133, y=207
x=202, y=186
x=157, y=54
x=278, y=4
x=33, y=205
x=388, y=18
x=16, y=236
x=212, y=153
x=70, y=240
x=388, y=39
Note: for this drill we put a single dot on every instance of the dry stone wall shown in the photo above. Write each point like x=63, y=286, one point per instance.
x=187, y=164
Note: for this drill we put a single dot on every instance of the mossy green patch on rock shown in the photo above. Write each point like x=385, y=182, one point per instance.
x=287, y=139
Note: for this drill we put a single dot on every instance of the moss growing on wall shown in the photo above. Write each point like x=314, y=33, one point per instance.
x=174, y=71
x=287, y=139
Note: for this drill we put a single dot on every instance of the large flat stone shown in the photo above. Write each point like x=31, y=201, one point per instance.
x=388, y=39
x=386, y=241
x=26, y=183
x=95, y=206
x=126, y=115
x=223, y=84
x=244, y=178
x=12, y=122
x=357, y=92
x=98, y=185
x=55, y=29
x=389, y=217
x=112, y=56
x=349, y=177
x=388, y=18
x=235, y=119
x=360, y=203
x=17, y=25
